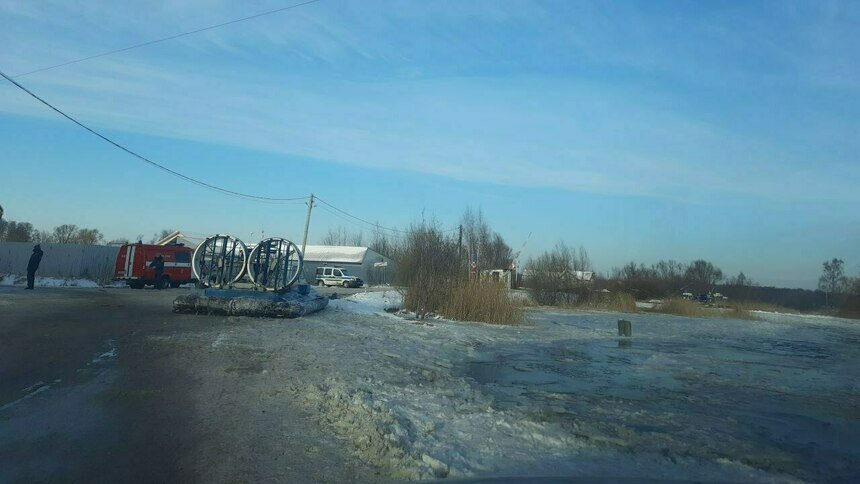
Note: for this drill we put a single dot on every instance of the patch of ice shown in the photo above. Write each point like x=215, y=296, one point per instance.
x=458, y=400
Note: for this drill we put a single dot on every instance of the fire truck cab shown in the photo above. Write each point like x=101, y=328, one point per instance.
x=133, y=260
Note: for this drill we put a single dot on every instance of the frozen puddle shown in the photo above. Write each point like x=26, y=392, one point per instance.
x=108, y=355
x=684, y=399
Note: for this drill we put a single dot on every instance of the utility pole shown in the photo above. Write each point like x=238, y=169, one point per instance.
x=460, y=244
x=305, y=238
x=307, y=222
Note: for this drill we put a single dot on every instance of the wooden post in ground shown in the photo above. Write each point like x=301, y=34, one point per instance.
x=625, y=328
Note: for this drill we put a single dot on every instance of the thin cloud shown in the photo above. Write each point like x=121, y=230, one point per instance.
x=475, y=93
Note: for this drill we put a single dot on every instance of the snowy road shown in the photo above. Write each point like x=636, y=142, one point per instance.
x=686, y=398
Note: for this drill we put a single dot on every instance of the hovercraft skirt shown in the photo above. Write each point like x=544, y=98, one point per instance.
x=290, y=305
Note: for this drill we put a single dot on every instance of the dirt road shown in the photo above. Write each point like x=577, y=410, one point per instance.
x=110, y=385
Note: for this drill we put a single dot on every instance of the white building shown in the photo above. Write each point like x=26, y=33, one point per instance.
x=180, y=238
x=371, y=266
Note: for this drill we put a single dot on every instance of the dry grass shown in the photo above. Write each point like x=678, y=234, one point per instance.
x=482, y=301
x=682, y=307
x=738, y=313
x=426, y=294
x=761, y=306
x=692, y=309
x=621, y=302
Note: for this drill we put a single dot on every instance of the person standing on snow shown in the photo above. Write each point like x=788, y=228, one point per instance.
x=158, y=265
x=35, y=260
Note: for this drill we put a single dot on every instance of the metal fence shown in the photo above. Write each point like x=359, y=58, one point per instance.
x=94, y=262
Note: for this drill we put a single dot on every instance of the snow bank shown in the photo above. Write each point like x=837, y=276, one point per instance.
x=16, y=280
x=369, y=302
x=800, y=318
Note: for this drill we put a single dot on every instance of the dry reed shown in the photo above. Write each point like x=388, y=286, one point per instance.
x=482, y=301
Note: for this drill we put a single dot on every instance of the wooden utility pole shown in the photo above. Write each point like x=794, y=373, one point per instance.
x=460, y=244
x=307, y=223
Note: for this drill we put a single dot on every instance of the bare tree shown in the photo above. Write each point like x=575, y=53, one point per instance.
x=581, y=261
x=669, y=270
x=43, y=237
x=492, y=250
x=832, y=279
x=740, y=280
x=383, y=243
x=65, y=234
x=855, y=286
x=342, y=236
x=632, y=273
x=88, y=237
x=704, y=272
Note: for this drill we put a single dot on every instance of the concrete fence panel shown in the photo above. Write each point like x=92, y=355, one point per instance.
x=94, y=262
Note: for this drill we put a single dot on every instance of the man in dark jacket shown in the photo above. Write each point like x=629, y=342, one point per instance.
x=35, y=260
x=158, y=265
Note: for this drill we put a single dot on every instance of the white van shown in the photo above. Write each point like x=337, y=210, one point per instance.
x=336, y=276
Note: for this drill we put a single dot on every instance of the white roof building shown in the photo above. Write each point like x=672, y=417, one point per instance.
x=337, y=254
x=181, y=238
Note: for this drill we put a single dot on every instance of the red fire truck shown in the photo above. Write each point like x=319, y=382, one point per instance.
x=133, y=260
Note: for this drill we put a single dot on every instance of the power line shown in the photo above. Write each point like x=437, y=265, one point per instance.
x=147, y=160
x=164, y=39
x=375, y=225
x=354, y=223
x=361, y=219
x=290, y=200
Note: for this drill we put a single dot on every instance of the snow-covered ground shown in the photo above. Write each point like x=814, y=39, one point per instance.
x=685, y=398
x=18, y=280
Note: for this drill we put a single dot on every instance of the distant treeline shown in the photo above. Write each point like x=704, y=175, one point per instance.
x=667, y=278
x=12, y=231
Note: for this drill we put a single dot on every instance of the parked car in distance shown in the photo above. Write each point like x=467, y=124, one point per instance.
x=336, y=276
x=133, y=260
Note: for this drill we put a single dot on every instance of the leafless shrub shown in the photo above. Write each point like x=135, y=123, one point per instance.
x=483, y=301
x=555, y=277
x=427, y=267
x=436, y=278
x=492, y=250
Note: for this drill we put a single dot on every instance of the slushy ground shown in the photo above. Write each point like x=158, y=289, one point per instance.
x=109, y=384
x=683, y=398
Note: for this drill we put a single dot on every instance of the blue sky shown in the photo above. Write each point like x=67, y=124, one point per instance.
x=640, y=130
